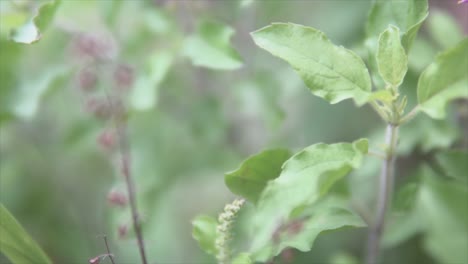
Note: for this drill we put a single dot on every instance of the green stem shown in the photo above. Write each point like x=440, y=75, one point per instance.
x=379, y=111
x=385, y=194
x=409, y=116
x=375, y=153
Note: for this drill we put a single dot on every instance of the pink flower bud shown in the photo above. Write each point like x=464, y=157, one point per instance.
x=107, y=140
x=87, y=79
x=123, y=76
x=117, y=198
x=95, y=260
x=95, y=46
x=105, y=108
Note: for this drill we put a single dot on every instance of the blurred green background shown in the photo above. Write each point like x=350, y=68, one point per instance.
x=193, y=114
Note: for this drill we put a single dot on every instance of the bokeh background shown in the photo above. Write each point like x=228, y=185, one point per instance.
x=188, y=123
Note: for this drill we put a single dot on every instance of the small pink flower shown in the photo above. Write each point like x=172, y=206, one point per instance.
x=462, y=1
x=87, y=79
x=99, y=46
x=105, y=108
x=123, y=76
x=117, y=198
x=95, y=260
x=107, y=140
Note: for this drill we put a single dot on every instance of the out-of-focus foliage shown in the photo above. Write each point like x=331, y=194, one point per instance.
x=15, y=243
x=201, y=98
x=444, y=80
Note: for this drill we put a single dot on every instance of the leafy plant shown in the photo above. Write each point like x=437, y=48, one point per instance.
x=296, y=197
x=118, y=117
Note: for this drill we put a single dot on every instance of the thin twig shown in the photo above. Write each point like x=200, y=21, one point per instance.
x=385, y=194
x=124, y=149
x=125, y=159
x=111, y=257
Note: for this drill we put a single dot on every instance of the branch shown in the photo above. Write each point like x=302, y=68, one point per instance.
x=385, y=194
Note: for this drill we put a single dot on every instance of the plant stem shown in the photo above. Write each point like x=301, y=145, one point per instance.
x=125, y=159
x=377, y=154
x=111, y=257
x=385, y=194
x=379, y=111
x=410, y=115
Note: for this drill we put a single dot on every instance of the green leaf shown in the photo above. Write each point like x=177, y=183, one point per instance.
x=242, y=258
x=10, y=20
x=331, y=72
x=444, y=80
x=10, y=53
x=444, y=29
x=442, y=205
x=32, y=30
x=454, y=163
x=254, y=173
x=204, y=232
x=31, y=92
x=343, y=258
x=329, y=213
x=145, y=93
x=439, y=134
x=209, y=47
x=408, y=16
x=46, y=14
x=16, y=244
x=391, y=58
x=422, y=54
x=305, y=178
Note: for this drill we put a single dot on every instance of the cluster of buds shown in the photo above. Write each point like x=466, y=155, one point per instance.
x=104, y=83
x=96, y=54
x=88, y=46
x=224, y=230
